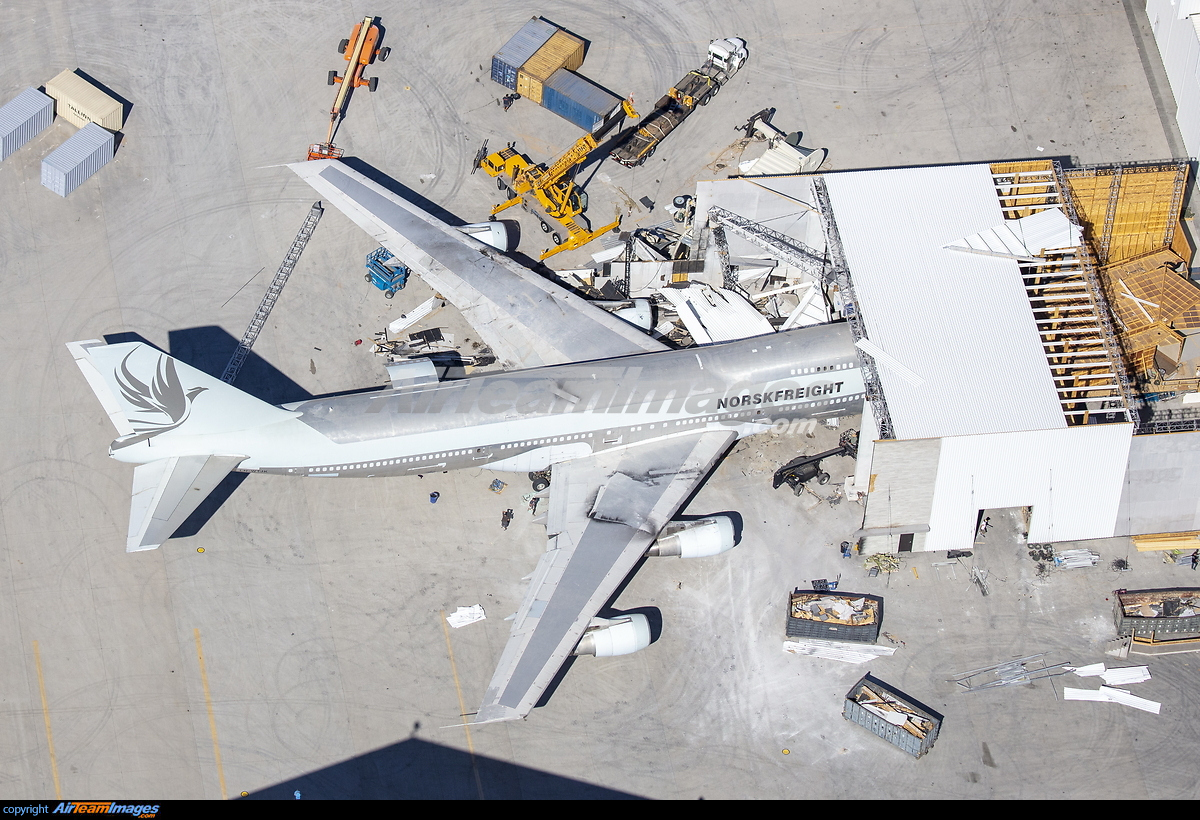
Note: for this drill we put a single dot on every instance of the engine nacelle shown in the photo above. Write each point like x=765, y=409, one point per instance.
x=695, y=539
x=617, y=636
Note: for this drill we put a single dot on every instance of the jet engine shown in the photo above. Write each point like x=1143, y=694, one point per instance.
x=695, y=539
x=607, y=637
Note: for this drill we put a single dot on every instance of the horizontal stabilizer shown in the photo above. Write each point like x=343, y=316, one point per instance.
x=167, y=491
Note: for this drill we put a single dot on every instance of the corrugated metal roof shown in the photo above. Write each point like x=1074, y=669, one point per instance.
x=961, y=321
x=22, y=107
x=82, y=145
x=525, y=43
x=583, y=91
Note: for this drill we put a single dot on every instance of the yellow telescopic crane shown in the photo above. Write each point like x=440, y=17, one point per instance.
x=552, y=186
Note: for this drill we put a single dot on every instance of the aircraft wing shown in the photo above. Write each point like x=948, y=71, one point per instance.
x=605, y=511
x=527, y=320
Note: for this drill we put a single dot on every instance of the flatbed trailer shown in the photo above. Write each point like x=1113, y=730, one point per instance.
x=696, y=88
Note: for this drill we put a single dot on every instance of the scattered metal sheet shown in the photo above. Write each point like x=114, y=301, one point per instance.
x=837, y=650
x=1106, y=694
x=465, y=615
x=1008, y=673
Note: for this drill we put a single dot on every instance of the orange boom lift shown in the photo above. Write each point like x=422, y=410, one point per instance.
x=360, y=50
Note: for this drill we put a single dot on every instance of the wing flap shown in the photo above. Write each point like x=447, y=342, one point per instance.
x=641, y=487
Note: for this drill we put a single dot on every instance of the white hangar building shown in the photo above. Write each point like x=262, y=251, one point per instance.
x=998, y=378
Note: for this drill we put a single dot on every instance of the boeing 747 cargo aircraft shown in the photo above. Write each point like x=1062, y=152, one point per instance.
x=630, y=427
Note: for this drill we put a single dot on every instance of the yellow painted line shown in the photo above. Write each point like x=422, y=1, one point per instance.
x=914, y=569
x=37, y=661
x=212, y=721
x=462, y=707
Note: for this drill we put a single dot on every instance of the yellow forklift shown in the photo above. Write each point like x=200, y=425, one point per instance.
x=552, y=186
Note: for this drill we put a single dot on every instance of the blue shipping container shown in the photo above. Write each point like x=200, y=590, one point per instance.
x=578, y=99
x=523, y=45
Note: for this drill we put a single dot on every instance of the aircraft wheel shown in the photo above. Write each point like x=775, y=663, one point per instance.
x=332, y=77
x=545, y=227
x=373, y=84
x=557, y=239
x=342, y=46
x=540, y=485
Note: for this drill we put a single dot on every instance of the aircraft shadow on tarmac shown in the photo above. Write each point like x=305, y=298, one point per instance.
x=416, y=769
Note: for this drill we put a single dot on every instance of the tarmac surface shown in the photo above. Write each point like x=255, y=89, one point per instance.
x=292, y=637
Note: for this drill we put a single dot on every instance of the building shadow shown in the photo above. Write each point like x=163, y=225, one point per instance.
x=416, y=769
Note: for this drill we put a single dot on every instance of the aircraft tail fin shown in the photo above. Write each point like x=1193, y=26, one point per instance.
x=167, y=491
x=147, y=393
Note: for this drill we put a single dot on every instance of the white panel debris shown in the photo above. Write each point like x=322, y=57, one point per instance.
x=1090, y=671
x=1025, y=239
x=415, y=315
x=465, y=615
x=1107, y=694
x=1126, y=675
x=1126, y=699
x=712, y=315
x=837, y=650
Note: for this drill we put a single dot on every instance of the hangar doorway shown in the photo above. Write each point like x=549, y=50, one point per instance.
x=1002, y=525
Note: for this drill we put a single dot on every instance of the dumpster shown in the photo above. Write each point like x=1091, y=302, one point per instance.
x=903, y=722
x=834, y=616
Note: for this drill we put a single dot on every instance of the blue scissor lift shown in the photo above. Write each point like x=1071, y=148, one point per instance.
x=385, y=273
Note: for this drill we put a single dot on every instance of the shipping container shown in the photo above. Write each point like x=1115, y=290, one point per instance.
x=578, y=99
x=529, y=87
x=80, y=102
x=516, y=52
x=87, y=151
x=1150, y=614
x=22, y=118
x=834, y=616
x=562, y=50
x=903, y=722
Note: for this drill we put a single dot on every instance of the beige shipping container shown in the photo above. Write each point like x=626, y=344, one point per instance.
x=79, y=102
x=562, y=50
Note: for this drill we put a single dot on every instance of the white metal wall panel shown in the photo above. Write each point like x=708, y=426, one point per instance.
x=1161, y=491
x=1178, y=40
x=961, y=321
x=1071, y=477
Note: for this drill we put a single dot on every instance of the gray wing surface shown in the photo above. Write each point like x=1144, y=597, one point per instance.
x=604, y=513
x=527, y=320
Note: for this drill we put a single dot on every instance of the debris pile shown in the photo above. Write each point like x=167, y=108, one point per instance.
x=835, y=616
x=893, y=711
x=883, y=562
x=1168, y=606
x=1074, y=559
x=834, y=609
